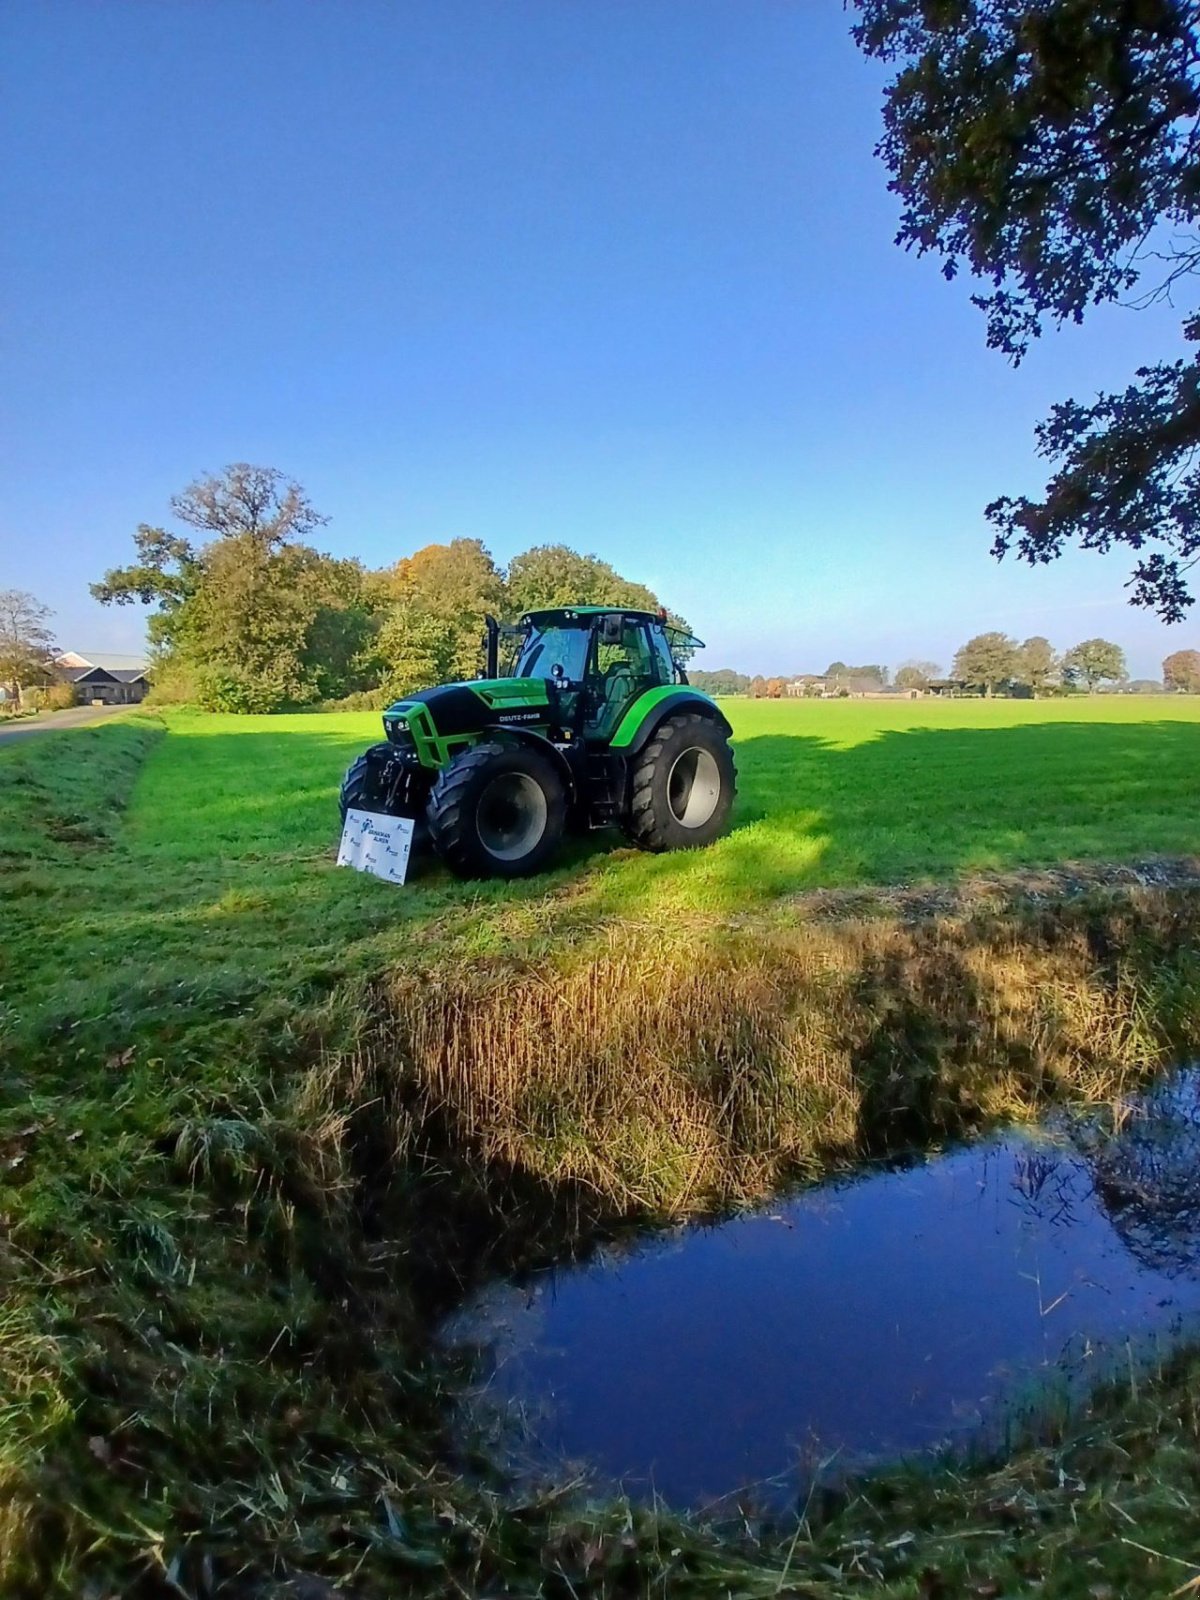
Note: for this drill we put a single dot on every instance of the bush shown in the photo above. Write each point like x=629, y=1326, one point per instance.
x=58, y=696
x=361, y=700
x=173, y=685
x=232, y=688
x=47, y=697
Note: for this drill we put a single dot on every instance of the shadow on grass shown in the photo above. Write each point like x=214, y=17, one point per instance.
x=923, y=805
x=944, y=799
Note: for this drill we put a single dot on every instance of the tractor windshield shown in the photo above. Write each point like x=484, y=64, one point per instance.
x=545, y=649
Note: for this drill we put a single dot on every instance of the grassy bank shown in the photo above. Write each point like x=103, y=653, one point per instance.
x=251, y=1103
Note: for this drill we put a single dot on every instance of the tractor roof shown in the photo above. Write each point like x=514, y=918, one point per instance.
x=565, y=615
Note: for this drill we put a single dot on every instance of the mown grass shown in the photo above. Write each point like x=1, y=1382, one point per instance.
x=226, y=868
x=254, y=1106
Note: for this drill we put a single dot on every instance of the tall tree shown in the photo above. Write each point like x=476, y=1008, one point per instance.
x=554, y=575
x=861, y=677
x=26, y=643
x=1041, y=144
x=417, y=650
x=253, y=619
x=916, y=674
x=1038, y=665
x=1181, y=672
x=989, y=661
x=441, y=595
x=1094, y=662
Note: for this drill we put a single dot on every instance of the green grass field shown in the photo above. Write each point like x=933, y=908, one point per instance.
x=224, y=873
x=249, y=1098
x=831, y=793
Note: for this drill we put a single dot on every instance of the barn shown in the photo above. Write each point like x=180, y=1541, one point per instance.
x=110, y=680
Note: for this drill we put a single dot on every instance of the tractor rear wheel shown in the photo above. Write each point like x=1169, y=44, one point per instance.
x=683, y=785
x=497, y=810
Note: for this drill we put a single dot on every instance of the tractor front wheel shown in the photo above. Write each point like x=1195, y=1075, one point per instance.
x=361, y=789
x=683, y=786
x=497, y=810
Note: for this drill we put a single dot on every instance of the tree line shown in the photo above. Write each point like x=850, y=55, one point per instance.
x=837, y=676
x=989, y=664
x=997, y=664
x=250, y=616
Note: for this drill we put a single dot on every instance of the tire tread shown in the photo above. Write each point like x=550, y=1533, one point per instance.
x=449, y=823
x=644, y=826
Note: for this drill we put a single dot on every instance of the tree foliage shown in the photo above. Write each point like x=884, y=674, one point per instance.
x=988, y=661
x=1048, y=146
x=1093, y=662
x=416, y=649
x=256, y=619
x=26, y=643
x=1038, y=664
x=871, y=675
x=553, y=575
x=916, y=674
x=1181, y=672
x=441, y=595
x=253, y=619
x=722, y=680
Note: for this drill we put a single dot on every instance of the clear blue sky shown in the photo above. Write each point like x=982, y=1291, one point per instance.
x=613, y=272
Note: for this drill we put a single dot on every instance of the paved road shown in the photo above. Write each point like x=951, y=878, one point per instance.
x=77, y=717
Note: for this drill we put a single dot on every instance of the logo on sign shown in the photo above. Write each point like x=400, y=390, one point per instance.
x=376, y=844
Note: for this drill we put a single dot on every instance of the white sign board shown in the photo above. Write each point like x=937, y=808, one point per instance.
x=375, y=843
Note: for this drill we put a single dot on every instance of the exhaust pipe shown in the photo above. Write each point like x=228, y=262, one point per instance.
x=491, y=647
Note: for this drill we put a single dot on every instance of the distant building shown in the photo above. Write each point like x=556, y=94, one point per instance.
x=109, y=679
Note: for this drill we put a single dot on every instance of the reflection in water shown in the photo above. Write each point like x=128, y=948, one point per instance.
x=861, y=1319
x=1148, y=1177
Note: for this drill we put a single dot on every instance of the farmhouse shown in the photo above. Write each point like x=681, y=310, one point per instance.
x=110, y=679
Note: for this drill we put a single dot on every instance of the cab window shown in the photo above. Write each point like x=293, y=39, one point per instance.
x=663, y=661
x=565, y=648
x=630, y=657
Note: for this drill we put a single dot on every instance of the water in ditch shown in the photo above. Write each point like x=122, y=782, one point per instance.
x=859, y=1321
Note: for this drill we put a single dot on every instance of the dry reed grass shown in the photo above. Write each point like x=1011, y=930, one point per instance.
x=677, y=1070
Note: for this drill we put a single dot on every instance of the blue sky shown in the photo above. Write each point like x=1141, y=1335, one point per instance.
x=613, y=272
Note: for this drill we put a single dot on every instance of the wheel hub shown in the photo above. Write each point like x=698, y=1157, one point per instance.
x=693, y=787
x=511, y=816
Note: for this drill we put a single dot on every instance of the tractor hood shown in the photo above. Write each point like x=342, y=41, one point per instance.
x=454, y=711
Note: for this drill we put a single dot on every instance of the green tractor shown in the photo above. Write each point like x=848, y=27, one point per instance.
x=595, y=724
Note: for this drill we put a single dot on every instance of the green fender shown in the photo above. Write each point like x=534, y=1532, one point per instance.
x=636, y=727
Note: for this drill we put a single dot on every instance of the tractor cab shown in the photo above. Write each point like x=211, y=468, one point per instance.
x=600, y=659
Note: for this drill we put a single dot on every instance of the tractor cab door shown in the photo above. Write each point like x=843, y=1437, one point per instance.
x=621, y=665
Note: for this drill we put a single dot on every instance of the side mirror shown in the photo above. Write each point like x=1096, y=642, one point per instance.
x=611, y=629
